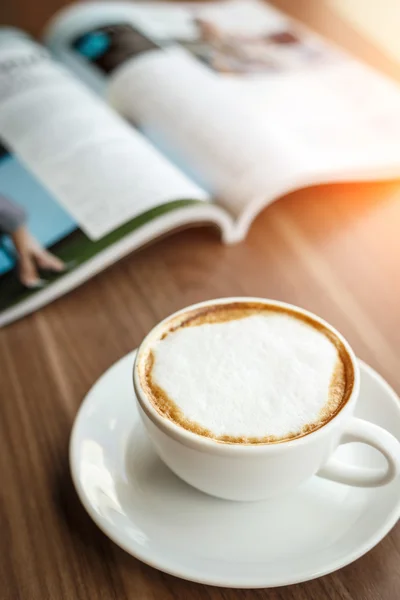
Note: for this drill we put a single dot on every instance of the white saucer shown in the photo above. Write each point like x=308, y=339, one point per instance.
x=144, y=508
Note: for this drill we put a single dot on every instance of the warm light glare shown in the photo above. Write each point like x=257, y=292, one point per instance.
x=377, y=19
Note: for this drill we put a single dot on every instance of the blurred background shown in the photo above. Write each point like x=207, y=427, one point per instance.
x=368, y=27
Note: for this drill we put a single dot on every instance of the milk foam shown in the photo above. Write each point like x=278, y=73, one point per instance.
x=263, y=375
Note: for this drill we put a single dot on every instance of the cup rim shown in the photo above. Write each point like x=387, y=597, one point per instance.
x=211, y=445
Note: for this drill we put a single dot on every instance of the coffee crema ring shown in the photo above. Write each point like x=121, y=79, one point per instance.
x=340, y=385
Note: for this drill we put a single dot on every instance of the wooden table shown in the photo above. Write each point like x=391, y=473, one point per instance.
x=334, y=250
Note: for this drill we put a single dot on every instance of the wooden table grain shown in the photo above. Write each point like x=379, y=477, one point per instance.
x=333, y=249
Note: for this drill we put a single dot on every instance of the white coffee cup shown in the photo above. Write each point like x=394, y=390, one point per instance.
x=257, y=471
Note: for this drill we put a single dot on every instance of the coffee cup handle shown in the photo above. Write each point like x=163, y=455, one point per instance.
x=365, y=432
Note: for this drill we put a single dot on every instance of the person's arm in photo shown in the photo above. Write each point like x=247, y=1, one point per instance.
x=30, y=254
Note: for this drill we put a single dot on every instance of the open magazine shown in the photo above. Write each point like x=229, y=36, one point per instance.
x=183, y=115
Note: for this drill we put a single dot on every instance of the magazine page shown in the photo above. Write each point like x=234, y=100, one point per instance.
x=223, y=141
x=79, y=188
x=342, y=114
x=265, y=107
x=44, y=252
x=101, y=170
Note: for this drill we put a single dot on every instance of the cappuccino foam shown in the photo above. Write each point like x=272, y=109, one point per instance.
x=248, y=375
